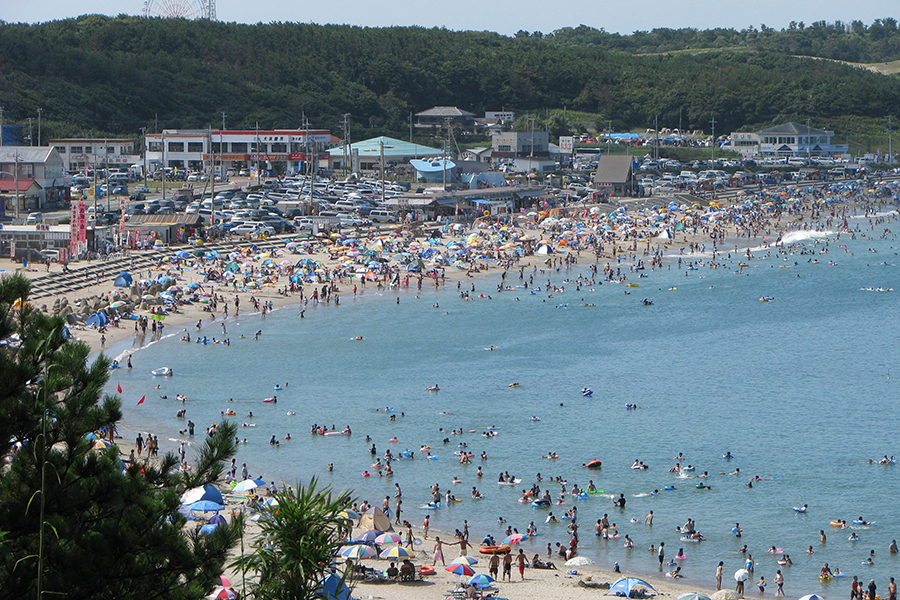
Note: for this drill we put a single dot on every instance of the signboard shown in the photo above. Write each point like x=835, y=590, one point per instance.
x=73, y=228
x=567, y=143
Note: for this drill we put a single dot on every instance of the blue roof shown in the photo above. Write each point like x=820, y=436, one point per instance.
x=392, y=147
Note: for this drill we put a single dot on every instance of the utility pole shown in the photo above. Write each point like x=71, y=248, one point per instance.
x=410, y=129
x=1, y=126
x=656, y=145
x=258, y=170
x=30, y=133
x=531, y=141
x=713, y=123
x=212, y=176
x=164, y=174
x=39, y=111
x=144, y=152
x=223, y=120
x=16, y=184
x=347, y=149
x=808, y=148
x=106, y=161
x=890, y=140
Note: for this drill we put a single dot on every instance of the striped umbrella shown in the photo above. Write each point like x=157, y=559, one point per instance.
x=460, y=569
x=388, y=538
x=358, y=551
x=396, y=552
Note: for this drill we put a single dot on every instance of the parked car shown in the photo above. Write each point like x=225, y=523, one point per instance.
x=34, y=218
x=252, y=229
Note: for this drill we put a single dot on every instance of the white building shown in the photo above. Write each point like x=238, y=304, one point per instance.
x=80, y=154
x=278, y=150
x=789, y=139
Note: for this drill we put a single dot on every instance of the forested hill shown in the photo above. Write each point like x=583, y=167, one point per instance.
x=116, y=75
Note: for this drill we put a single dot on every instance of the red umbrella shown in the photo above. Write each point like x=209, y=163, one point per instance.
x=223, y=581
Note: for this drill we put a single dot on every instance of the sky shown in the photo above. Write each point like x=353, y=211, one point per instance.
x=503, y=16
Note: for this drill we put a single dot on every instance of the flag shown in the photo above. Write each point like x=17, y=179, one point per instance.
x=141, y=401
x=119, y=387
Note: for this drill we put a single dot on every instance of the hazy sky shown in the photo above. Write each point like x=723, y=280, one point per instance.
x=503, y=16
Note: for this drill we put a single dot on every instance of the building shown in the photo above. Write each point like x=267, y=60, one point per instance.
x=615, y=174
x=82, y=154
x=41, y=176
x=366, y=155
x=470, y=204
x=281, y=151
x=437, y=117
x=744, y=142
x=503, y=117
x=523, y=151
x=787, y=140
x=482, y=155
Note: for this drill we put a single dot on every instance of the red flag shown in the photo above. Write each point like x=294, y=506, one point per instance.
x=120, y=388
x=141, y=401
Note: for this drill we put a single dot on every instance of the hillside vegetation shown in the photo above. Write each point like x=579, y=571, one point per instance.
x=98, y=74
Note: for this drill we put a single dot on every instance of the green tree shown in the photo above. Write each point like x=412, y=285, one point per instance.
x=297, y=543
x=75, y=522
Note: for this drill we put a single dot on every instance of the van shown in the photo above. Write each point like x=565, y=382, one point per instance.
x=383, y=216
x=34, y=218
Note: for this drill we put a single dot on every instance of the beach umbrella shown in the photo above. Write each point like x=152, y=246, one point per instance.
x=248, y=484
x=205, y=506
x=101, y=445
x=224, y=582
x=204, y=492
x=514, y=539
x=222, y=593
x=348, y=514
x=465, y=560
x=388, y=538
x=208, y=529
x=694, y=596
x=481, y=579
x=741, y=575
x=813, y=597
x=579, y=561
x=624, y=585
x=368, y=536
x=215, y=520
x=357, y=551
x=725, y=595
x=460, y=569
x=396, y=552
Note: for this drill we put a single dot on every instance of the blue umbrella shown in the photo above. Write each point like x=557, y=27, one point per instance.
x=183, y=254
x=334, y=588
x=481, y=580
x=208, y=529
x=368, y=536
x=205, y=506
x=206, y=492
x=216, y=519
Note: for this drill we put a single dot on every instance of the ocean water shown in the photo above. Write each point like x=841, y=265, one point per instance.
x=801, y=390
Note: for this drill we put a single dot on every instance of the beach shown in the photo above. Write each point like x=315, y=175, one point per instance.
x=421, y=423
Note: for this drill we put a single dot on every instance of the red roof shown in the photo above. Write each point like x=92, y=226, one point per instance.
x=9, y=185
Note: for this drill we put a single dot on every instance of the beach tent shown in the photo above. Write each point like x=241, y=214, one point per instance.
x=374, y=519
x=624, y=585
x=97, y=319
x=544, y=250
x=334, y=588
x=207, y=492
x=123, y=280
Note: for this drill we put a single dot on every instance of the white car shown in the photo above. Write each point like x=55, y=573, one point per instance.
x=252, y=229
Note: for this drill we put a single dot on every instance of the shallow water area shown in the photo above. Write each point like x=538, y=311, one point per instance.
x=798, y=389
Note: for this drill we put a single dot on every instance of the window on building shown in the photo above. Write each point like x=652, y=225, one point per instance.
x=60, y=149
x=155, y=146
x=77, y=150
x=239, y=147
x=176, y=164
x=195, y=165
x=296, y=147
x=110, y=150
x=175, y=147
x=88, y=149
x=217, y=147
x=195, y=146
x=263, y=148
x=279, y=148
x=504, y=148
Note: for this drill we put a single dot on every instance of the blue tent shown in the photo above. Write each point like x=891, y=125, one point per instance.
x=98, y=319
x=334, y=588
x=624, y=585
x=123, y=280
